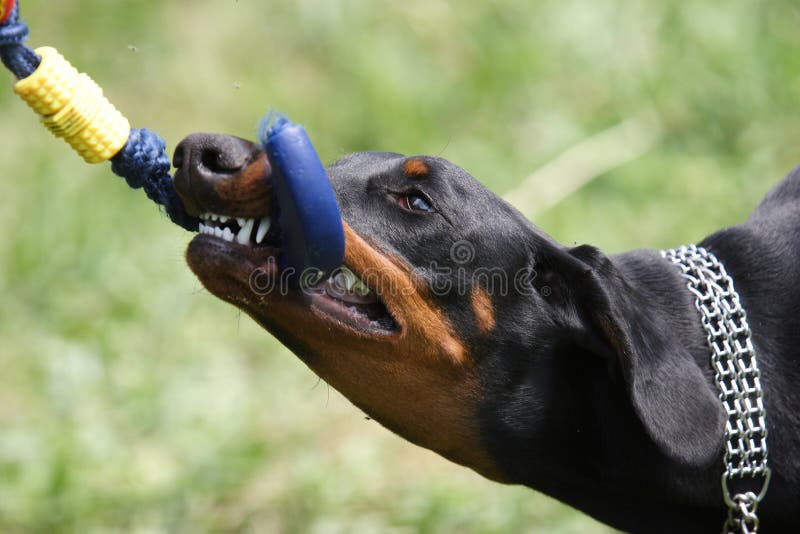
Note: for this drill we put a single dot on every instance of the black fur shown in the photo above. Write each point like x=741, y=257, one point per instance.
x=597, y=383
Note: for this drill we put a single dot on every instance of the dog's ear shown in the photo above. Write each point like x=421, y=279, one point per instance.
x=669, y=393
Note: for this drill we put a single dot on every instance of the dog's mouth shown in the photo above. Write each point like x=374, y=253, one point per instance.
x=244, y=231
x=248, y=250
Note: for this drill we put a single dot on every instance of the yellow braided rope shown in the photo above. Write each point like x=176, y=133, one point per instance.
x=73, y=107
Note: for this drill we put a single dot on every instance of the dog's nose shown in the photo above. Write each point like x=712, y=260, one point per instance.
x=214, y=156
x=221, y=174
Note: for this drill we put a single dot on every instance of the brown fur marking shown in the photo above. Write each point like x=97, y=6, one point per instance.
x=483, y=309
x=246, y=193
x=415, y=167
x=405, y=295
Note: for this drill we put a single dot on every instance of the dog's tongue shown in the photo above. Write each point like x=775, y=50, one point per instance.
x=312, y=243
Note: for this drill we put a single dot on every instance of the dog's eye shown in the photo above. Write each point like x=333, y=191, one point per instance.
x=415, y=202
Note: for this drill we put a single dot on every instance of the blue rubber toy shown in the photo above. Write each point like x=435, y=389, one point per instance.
x=312, y=241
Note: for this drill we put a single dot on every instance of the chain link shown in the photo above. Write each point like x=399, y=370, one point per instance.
x=736, y=374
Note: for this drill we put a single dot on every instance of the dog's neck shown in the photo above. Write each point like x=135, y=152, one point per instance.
x=591, y=451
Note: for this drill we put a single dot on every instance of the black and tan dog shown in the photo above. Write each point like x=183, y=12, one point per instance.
x=461, y=326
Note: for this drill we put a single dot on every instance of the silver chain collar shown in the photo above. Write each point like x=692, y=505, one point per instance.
x=733, y=360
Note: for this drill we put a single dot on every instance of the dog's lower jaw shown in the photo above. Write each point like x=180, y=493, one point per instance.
x=418, y=381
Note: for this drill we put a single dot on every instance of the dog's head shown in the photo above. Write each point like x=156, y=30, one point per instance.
x=453, y=321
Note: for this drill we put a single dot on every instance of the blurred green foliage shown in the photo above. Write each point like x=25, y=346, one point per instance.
x=133, y=401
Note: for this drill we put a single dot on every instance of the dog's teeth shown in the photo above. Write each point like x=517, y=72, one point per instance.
x=223, y=219
x=218, y=232
x=241, y=221
x=349, y=278
x=227, y=235
x=340, y=280
x=247, y=229
x=361, y=289
x=346, y=279
x=263, y=228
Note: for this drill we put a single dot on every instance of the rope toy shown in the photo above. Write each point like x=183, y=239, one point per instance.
x=72, y=106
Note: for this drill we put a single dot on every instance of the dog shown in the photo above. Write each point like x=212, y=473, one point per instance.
x=459, y=325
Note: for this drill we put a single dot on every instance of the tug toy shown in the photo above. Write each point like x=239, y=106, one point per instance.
x=72, y=106
x=315, y=245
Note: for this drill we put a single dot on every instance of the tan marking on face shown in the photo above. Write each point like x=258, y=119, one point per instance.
x=421, y=383
x=483, y=309
x=248, y=192
x=415, y=167
x=405, y=294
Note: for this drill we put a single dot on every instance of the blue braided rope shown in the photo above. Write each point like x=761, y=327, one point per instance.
x=143, y=161
x=17, y=57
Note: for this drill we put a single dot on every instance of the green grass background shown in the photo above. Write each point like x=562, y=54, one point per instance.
x=133, y=401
